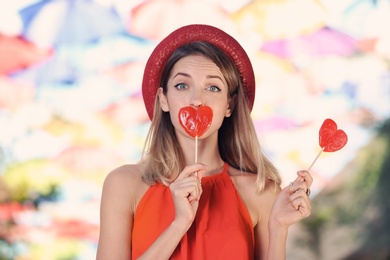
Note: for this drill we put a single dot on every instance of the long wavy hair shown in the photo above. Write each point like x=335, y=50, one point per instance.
x=238, y=143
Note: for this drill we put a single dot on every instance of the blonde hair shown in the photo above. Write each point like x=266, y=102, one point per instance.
x=238, y=143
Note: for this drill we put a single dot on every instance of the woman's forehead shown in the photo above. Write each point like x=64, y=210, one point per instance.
x=197, y=63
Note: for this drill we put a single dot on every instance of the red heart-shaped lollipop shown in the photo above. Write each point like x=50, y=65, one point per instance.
x=195, y=121
x=331, y=138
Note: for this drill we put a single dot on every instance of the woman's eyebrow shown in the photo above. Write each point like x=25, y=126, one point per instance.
x=189, y=76
x=182, y=74
x=215, y=77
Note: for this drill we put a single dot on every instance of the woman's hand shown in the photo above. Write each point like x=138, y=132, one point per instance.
x=293, y=203
x=186, y=191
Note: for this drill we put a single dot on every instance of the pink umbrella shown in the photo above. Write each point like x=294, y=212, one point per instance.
x=78, y=159
x=14, y=93
x=325, y=41
x=122, y=112
x=17, y=53
x=8, y=210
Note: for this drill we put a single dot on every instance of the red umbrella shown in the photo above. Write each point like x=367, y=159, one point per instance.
x=17, y=53
x=77, y=229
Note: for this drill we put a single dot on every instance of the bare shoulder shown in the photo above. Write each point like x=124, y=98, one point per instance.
x=125, y=184
x=259, y=203
x=126, y=172
x=122, y=189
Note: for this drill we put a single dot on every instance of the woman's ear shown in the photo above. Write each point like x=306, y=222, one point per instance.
x=232, y=105
x=162, y=99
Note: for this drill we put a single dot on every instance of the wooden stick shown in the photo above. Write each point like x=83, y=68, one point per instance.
x=196, y=152
x=318, y=155
x=196, y=149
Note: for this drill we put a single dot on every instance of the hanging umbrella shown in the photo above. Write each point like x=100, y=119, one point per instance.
x=70, y=63
x=326, y=41
x=76, y=159
x=280, y=19
x=16, y=54
x=363, y=18
x=121, y=112
x=58, y=22
x=59, y=68
x=76, y=229
x=112, y=51
x=14, y=94
x=367, y=21
x=155, y=19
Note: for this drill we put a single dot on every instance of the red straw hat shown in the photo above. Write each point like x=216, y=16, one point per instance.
x=183, y=36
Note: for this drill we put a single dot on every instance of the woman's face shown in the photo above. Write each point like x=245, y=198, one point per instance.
x=195, y=81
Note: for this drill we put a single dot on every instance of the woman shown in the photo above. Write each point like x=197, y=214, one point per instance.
x=228, y=205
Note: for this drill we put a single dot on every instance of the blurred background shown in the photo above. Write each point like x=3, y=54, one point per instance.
x=71, y=110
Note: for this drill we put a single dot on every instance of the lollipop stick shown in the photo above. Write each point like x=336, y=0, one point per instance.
x=196, y=152
x=318, y=155
x=196, y=149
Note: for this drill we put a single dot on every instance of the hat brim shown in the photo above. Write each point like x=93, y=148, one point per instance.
x=186, y=35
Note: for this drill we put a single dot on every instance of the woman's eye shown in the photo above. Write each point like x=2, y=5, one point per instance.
x=180, y=86
x=214, y=89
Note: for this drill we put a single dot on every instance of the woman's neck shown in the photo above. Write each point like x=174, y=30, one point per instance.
x=207, y=153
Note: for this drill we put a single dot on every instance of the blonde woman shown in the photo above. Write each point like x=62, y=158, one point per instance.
x=228, y=205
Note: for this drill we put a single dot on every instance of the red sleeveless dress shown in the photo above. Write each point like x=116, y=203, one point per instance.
x=222, y=228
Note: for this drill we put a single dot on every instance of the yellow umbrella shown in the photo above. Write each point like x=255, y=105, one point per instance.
x=268, y=66
x=278, y=19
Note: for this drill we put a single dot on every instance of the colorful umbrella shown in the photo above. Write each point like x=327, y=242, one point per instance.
x=72, y=62
x=367, y=21
x=16, y=54
x=326, y=41
x=58, y=22
x=155, y=19
x=363, y=18
x=280, y=19
x=15, y=93
x=76, y=159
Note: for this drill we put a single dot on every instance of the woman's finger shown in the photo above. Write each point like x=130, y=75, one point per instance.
x=197, y=168
x=189, y=188
x=300, y=194
x=297, y=185
x=302, y=205
x=306, y=176
x=303, y=180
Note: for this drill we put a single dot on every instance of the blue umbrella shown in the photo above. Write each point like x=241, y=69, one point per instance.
x=72, y=62
x=68, y=22
x=86, y=37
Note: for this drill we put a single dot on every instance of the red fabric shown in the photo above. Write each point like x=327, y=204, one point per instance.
x=222, y=228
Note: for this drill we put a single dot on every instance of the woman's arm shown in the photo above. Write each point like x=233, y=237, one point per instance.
x=122, y=190
x=186, y=191
x=280, y=210
x=262, y=229
x=116, y=214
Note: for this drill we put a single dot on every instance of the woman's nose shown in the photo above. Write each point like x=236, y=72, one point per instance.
x=196, y=98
